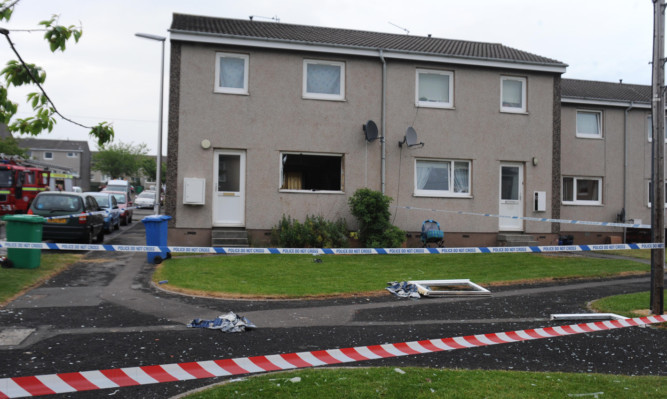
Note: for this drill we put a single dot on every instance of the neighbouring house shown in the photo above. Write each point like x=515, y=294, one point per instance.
x=605, y=158
x=269, y=119
x=64, y=155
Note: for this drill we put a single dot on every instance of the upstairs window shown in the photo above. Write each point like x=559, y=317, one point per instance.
x=434, y=89
x=512, y=94
x=311, y=172
x=582, y=191
x=323, y=80
x=48, y=155
x=231, y=73
x=442, y=178
x=72, y=154
x=589, y=124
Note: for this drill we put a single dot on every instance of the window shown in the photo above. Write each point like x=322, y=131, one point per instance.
x=48, y=155
x=582, y=191
x=231, y=73
x=512, y=94
x=72, y=154
x=650, y=193
x=442, y=178
x=434, y=89
x=323, y=80
x=589, y=124
x=649, y=130
x=311, y=172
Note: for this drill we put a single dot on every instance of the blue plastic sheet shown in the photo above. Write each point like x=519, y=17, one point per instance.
x=228, y=322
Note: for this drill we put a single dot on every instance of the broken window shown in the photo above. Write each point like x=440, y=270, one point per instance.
x=312, y=172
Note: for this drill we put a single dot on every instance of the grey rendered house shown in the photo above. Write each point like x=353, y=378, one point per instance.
x=69, y=155
x=270, y=119
x=606, y=158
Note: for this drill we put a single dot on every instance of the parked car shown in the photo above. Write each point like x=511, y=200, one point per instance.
x=145, y=200
x=120, y=185
x=125, y=207
x=107, y=201
x=82, y=227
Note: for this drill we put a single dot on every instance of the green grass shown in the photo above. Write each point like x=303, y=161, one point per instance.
x=300, y=276
x=629, y=305
x=15, y=281
x=386, y=382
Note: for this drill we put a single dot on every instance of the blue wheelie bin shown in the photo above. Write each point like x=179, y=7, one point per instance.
x=156, y=235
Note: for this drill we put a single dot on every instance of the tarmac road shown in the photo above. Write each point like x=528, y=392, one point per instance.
x=103, y=313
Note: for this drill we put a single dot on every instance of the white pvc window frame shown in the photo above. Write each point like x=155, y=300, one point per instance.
x=576, y=181
x=48, y=155
x=504, y=107
x=340, y=96
x=649, y=188
x=219, y=87
x=598, y=124
x=649, y=128
x=421, y=100
x=451, y=190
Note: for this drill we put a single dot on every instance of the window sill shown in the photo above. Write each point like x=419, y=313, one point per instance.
x=236, y=93
x=579, y=136
x=442, y=196
x=282, y=190
x=434, y=105
x=342, y=100
x=506, y=111
x=580, y=204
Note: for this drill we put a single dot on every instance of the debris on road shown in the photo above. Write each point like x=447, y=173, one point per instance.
x=417, y=289
x=228, y=322
x=403, y=289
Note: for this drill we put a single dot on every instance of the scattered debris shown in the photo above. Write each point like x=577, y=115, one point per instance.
x=399, y=371
x=580, y=395
x=163, y=282
x=229, y=322
x=417, y=289
x=295, y=379
x=6, y=263
x=587, y=316
x=317, y=260
x=403, y=289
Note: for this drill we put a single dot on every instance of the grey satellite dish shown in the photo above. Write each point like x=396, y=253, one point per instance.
x=371, y=131
x=410, y=138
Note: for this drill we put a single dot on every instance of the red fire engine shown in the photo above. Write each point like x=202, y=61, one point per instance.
x=19, y=185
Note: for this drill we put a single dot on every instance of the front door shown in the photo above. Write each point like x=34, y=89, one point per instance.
x=229, y=189
x=511, y=197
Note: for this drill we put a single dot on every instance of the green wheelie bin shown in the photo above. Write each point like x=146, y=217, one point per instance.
x=24, y=228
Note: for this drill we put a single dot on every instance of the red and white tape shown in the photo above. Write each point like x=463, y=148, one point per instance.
x=19, y=387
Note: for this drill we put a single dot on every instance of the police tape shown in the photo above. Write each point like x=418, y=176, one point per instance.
x=532, y=219
x=49, y=384
x=325, y=251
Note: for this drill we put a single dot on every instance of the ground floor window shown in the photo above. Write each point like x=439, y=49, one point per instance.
x=582, y=190
x=311, y=172
x=650, y=193
x=442, y=178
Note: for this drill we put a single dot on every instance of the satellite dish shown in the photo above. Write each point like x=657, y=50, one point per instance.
x=410, y=138
x=371, y=131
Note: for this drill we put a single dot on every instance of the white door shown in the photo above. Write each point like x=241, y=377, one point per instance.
x=511, y=197
x=229, y=188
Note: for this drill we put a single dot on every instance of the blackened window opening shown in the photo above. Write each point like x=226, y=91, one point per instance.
x=312, y=172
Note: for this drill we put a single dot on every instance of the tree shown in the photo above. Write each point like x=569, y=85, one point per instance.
x=119, y=160
x=19, y=73
x=149, y=167
x=10, y=146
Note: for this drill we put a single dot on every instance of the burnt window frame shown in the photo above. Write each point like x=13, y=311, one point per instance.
x=309, y=172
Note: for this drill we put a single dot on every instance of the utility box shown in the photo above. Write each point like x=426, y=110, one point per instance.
x=540, y=201
x=194, y=191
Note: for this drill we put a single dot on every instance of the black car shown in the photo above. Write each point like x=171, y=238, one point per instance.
x=80, y=226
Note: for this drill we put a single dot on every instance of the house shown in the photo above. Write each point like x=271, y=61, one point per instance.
x=269, y=119
x=68, y=155
x=605, y=158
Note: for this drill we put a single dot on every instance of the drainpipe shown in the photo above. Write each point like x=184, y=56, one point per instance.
x=383, y=121
x=625, y=168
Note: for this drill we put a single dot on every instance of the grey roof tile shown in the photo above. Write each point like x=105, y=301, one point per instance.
x=316, y=35
x=605, y=91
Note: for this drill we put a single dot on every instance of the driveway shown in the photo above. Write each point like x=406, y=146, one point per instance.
x=104, y=313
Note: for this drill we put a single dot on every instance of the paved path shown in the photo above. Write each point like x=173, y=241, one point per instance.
x=104, y=313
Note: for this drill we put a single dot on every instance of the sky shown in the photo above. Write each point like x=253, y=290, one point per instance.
x=111, y=75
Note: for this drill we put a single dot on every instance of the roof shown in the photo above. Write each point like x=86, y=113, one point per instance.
x=53, y=145
x=573, y=90
x=192, y=26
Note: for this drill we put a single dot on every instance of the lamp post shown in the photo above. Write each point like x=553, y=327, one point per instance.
x=158, y=181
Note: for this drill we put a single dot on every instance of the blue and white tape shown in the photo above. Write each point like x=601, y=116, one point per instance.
x=532, y=219
x=325, y=251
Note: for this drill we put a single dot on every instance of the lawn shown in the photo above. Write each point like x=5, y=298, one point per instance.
x=14, y=281
x=387, y=382
x=306, y=275
x=629, y=305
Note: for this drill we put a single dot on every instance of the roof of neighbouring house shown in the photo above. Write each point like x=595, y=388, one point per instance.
x=573, y=89
x=353, y=39
x=53, y=145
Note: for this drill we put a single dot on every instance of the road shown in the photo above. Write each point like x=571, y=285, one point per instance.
x=104, y=313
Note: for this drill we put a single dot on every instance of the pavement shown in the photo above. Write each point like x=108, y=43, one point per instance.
x=104, y=313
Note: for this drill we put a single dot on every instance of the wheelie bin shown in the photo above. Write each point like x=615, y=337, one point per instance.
x=156, y=235
x=24, y=228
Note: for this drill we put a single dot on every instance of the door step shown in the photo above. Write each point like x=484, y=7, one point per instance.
x=229, y=237
x=516, y=240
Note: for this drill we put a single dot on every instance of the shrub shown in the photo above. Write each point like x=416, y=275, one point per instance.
x=371, y=208
x=314, y=232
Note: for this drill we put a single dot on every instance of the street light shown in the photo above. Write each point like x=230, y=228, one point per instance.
x=158, y=181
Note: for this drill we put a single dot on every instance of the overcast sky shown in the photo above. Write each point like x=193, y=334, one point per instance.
x=111, y=75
